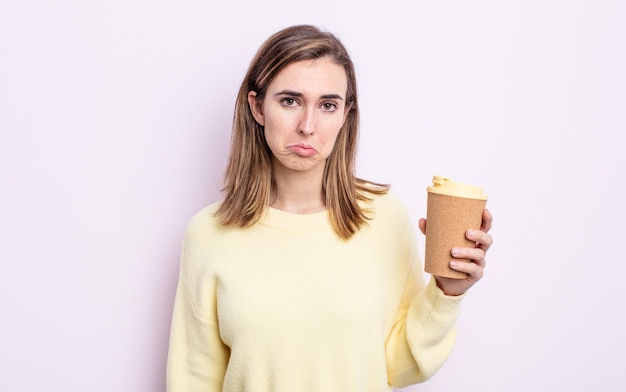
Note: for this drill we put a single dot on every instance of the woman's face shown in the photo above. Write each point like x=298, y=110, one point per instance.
x=302, y=112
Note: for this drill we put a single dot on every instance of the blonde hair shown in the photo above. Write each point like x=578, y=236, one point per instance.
x=248, y=176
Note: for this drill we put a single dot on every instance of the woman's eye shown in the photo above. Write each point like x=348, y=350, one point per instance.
x=289, y=101
x=329, y=106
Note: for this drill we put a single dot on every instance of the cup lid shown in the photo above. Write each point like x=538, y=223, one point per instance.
x=445, y=186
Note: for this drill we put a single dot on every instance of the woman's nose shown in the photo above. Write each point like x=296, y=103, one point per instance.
x=307, y=123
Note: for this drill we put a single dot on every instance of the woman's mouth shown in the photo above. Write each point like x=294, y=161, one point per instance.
x=304, y=150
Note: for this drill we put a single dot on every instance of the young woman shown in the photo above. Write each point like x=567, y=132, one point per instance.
x=305, y=277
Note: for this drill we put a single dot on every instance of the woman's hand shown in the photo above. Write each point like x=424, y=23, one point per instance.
x=476, y=267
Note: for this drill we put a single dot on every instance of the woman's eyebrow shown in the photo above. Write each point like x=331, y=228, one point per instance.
x=292, y=93
x=332, y=96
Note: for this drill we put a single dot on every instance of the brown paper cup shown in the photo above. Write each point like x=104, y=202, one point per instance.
x=449, y=215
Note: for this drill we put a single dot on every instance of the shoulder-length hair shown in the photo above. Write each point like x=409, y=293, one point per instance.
x=248, y=177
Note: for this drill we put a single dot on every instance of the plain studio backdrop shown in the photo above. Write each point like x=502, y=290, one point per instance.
x=115, y=122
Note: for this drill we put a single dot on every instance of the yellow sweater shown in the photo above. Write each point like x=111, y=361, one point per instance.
x=286, y=305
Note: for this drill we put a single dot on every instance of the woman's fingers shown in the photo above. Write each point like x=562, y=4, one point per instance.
x=487, y=221
x=477, y=255
x=474, y=270
x=482, y=239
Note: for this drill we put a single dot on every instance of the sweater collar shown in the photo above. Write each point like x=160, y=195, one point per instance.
x=288, y=221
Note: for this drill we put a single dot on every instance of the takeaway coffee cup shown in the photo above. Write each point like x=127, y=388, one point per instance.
x=452, y=209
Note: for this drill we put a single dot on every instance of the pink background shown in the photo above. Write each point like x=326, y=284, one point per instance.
x=115, y=120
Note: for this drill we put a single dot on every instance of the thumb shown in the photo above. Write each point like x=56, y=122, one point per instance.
x=422, y=225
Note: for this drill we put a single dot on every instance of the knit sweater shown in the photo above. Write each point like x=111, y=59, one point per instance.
x=287, y=305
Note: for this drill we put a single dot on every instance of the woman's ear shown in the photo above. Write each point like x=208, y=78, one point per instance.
x=256, y=107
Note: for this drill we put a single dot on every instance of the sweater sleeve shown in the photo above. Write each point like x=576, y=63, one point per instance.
x=197, y=356
x=423, y=333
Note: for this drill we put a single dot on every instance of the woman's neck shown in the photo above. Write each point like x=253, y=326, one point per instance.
x=298, y=192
